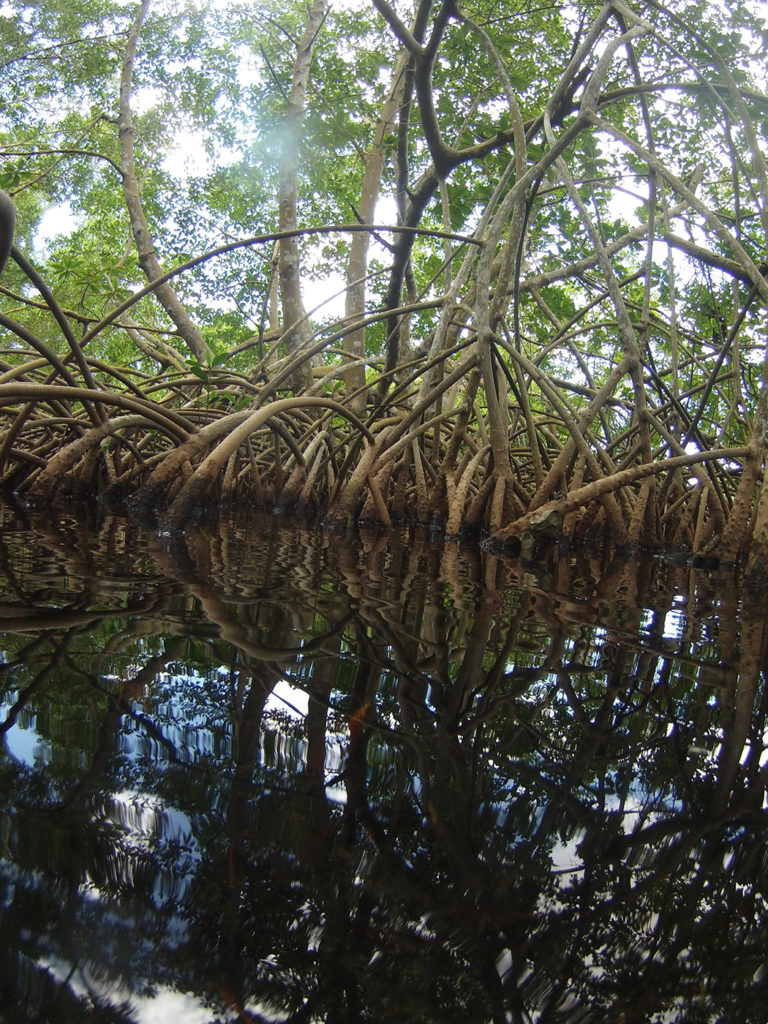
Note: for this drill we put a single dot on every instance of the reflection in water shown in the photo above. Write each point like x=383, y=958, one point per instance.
x=262, y=775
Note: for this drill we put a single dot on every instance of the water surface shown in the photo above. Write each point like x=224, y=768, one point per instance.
x=263, y=773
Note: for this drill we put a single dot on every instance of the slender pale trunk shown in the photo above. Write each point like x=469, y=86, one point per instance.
x=297, y=332
x=148, y=260
x=354, y=342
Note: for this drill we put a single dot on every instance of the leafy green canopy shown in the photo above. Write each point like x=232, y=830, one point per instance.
x=577, y=198
x=211, y=84
x=209, y=97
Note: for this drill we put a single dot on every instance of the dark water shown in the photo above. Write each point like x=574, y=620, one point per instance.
x=265, y=774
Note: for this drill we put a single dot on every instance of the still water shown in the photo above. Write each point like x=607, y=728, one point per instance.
x=261, y=773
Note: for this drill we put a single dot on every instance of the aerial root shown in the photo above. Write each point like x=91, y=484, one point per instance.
x=437, y=468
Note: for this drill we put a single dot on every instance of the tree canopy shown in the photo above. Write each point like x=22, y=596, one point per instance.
x=491, y=267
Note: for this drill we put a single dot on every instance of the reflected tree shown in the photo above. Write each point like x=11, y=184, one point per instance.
x=508, y=790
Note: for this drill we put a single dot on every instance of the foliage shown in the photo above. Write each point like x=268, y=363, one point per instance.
x=560, y=317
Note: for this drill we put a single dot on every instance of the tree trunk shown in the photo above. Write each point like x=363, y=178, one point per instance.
x=148, y=260
x=7, y=226
x=354, y=342
x=297, y=333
